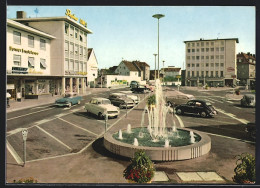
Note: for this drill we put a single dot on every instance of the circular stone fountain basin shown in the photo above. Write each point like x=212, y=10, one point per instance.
x=180, y=149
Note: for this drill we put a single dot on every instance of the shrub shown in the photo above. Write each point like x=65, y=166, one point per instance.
x=245, y=169
x=141, y=169
x=26, y=180
x=151, y=100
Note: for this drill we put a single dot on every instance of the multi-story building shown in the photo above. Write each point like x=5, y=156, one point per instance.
x=28, y=61
x=211, y=61
x=246, y=63
x=69, y=52
x=171, y=71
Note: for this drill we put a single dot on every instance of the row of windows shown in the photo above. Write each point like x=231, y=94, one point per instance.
x=217, y=49
x=205, y=57
x=206, y=64
x=75, y=33
x=192, y=74
x=17, y=61
x=17, y=40
x=71, y=65
x=203, y=43
x=75, y=49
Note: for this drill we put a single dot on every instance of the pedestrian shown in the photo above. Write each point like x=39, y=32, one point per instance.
x=7, y=98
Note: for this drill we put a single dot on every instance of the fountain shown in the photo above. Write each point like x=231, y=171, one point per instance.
x=155, y=138
x=120, y=135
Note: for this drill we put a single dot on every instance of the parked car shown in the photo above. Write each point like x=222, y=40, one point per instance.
x=134, y=97
x=134, y=84
x=101, y=107
x=68, y=100
x=140, y=89
x=201, y=107
x=119, y=99
x=248, y=100
x=178, y=99
x=251, y=130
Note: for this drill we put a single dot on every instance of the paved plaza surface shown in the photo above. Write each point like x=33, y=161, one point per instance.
x=95, y=164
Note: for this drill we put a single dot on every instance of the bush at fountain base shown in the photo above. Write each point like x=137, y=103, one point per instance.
x=158, y=153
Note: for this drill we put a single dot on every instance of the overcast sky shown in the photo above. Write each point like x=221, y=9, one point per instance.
x=130, y=32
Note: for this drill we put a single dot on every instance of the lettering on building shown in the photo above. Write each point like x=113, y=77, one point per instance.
x=23, y=50
x=68, y=13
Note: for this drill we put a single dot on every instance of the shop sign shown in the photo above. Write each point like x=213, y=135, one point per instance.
x=10, y=86
x=32, y=71
x=178, y=76
x=19, y=70
x=23, y=50
x=72, y=16
x=230, y=69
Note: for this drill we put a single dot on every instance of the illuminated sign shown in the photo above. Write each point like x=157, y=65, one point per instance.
x=72, y=16
x=23, y=51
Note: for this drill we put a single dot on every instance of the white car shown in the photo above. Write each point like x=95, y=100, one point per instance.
x=129, y=94
x=102, y=107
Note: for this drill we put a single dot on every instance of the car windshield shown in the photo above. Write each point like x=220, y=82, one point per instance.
x=106, y=102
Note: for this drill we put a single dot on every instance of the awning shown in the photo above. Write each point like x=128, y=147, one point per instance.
x=31, y=62
x=43, y=64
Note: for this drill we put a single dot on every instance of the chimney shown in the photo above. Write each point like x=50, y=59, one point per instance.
x=20, y=14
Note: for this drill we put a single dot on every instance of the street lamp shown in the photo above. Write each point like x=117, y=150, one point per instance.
x=158, y=16
x=163, y=71
x=155, y=66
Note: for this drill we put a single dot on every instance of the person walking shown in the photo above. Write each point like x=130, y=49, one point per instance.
x=7, y=98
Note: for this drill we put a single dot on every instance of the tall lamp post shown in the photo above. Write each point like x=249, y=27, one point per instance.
x=163, y=71
x=158, y=16
x=155, y=66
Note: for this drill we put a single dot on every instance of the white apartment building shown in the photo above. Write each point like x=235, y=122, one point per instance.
x=211, y=61
x=69, y=52
x=92, y=66
x=28, y=63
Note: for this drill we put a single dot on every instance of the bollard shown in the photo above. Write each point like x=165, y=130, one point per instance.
x=106, y=118
x=24, y=133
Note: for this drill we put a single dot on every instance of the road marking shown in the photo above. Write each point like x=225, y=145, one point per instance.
x=13, y=153
x=216, y=100
x=247, y=141
x=230, y=102
x=29, y=113
x=238, y=107
x=14, y=131
x=53, y=137
x=78, y=127
x=244, y=121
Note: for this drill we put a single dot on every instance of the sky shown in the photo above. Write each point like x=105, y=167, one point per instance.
x=131, y=33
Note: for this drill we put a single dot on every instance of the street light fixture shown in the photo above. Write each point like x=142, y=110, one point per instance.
x=158, y=16
x=155, y=66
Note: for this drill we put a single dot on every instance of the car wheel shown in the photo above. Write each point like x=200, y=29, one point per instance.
x=179, y=111
x=203, y=114
x=100, y=115
x=78, y=102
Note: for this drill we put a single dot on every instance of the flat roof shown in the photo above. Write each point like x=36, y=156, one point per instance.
x=60, y=18
x=28, y=29
x=236, y=39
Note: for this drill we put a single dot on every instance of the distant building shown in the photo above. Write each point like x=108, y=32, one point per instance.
x=246, y=63
x=134, y=69
x=171, y=71
x=211, y=61
x=92, y=66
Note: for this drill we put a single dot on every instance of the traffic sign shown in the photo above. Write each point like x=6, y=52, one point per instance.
x=178, y=76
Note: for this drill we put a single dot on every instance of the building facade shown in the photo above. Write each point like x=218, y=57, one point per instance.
x=28, y=61
x=246, y=63
x=211, y=61
x=69, y=52
x=92, y=67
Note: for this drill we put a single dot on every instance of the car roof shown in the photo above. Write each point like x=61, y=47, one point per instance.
x=198, y=100
x=99, y=98
x=117, y=94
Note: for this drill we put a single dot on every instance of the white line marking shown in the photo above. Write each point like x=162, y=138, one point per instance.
x=29, y=114
x=230, y=102
x=229, y=137
x=13, y=153
x=232, y=116
x=53, y=137
x=216, y=100
x=78, y=127
x=14, y=131
x=238, y=107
